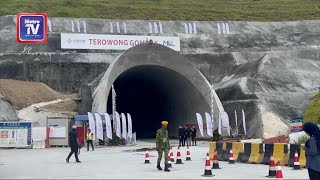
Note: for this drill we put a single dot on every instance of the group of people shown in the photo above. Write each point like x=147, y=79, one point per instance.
x=186, y=134
x=312, y=146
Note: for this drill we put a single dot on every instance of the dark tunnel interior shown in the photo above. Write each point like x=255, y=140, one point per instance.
x=152, y=94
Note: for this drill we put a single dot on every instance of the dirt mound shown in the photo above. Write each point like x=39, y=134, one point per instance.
x=68, y=107
x=21, y=94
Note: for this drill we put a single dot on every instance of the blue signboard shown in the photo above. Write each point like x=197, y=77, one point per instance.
x=296, y=124
x=31, y=28
x=15, y=134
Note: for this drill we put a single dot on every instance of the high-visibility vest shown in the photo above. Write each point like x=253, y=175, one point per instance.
x=89, y=136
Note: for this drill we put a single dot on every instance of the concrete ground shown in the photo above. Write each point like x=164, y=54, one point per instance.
x=122, y=163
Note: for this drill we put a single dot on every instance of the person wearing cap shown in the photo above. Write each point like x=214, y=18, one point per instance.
x=74, y=144
x=163, y=145
x=312, y=148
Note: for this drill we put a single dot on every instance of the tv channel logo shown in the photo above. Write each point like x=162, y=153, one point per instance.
x=31, y=27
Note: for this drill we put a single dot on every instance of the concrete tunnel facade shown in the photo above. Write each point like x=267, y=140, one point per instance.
x=155, y=83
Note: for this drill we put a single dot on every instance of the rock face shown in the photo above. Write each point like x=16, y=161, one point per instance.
x=280, y=85
x=7, y=112
x=269, y=69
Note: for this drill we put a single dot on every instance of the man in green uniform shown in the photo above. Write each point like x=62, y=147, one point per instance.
x=163, y=145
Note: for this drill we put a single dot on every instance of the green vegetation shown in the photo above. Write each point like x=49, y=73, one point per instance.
x=312, y=114
x=302, y=140
x=115, y=141
x=201, y=10
x=216, y=136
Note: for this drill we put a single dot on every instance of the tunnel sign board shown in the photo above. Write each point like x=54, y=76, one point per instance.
x=114, y=42
x=296, y=124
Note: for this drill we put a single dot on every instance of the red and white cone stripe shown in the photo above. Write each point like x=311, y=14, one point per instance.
x=231, y=160
x=272, y=168
x=207, y=171
x=296, y=163
x=171, y=155
x=147, y=158
x=169, y=161
x=296, y=159
x=179, y=160
x=188, y=155
x=279, y=171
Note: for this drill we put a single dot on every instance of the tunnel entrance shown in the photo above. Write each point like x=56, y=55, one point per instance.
x=155, y=83
x=152, y=94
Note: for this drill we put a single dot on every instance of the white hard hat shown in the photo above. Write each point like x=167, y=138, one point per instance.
x=74, y=127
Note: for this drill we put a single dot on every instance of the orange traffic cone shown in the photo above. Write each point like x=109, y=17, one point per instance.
x=179, y=161
x=207, y=171
x=147, y=158
x=215, y=164
x=169, y=161
x=171, y=155
x=272, y=168
x=231, y=160
x=296, y=163
x=279, y=171
x=188, y=154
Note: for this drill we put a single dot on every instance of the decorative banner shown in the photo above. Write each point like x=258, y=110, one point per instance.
x=225, y=121
x=236, y=119
x=244, y=122
x=115, y=42
x=209, y=124
x=200, y=123
x=118, y=131
x=92, y=125
x=108, y=125
x=99, y=130
x=129, y=125
x=124, y=126
x=219, y=126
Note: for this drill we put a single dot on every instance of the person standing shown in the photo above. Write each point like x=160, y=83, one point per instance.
x=312, y=148
x=185, y=134
x=90, y=139
x=189, y=136
x=163, y=145
x=181, y=130
x=74, y=144
x=194, y=135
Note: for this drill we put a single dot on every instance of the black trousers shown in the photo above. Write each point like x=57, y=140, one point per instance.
x=194, y=142
x=184, y=141
x=74, y=150
x=314, y=175
x=180, y=141
x=88, y=143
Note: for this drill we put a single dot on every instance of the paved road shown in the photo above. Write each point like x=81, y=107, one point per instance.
x=122, y=162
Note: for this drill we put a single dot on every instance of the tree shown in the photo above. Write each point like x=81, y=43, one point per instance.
x=312, y=113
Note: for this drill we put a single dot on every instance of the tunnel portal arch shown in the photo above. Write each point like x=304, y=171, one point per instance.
x=167, y=74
